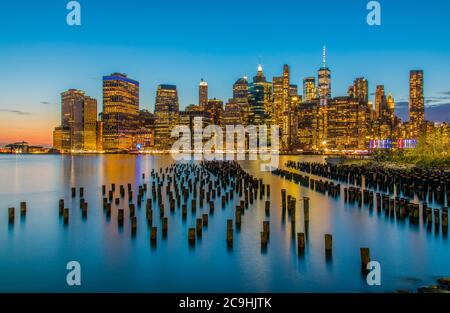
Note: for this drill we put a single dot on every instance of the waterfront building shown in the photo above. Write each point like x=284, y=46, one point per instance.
x=347, y=124
x=359, y=89
x=78, y=130
x=260, y=99
x=307, y=130
x=120, y=112
x=324, y=80
x=241, y=97
x=309, y=89
x=214, y=108
x=380, y=102
x=203, y=93
x=145, y=134
x=62, y=139
x=416, y=102
x=166, y=115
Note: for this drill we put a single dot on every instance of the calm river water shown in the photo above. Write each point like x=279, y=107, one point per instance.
x=35, y=250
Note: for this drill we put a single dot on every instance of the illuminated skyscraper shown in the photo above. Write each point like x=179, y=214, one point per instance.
x=78, y=122
x=241, y=97
x=347, y=124
x=309, y=89
x=203, y=93
x=324, y=81
x=214, y=108
x=120, y=112
x=416, y=102
x=286, y=134
x=391, y=108
x=360, y=89
x=308, y=119
x=380, y=101
x=277, y=89
x=260, y=99
x=166, y=115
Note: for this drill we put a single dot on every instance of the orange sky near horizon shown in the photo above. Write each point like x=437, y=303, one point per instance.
x=35, y=128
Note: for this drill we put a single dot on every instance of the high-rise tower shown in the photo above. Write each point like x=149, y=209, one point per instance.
x=416, y=102
x=324, y=81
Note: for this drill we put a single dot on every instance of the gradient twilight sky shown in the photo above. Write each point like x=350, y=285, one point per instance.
x=181, y=41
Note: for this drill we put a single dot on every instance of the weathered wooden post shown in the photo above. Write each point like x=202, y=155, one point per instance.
x=301, y=242
x=66, y=216
x=205, y=220
x=153, y=234
x=133, y=225
x=266, y=227
x=74, y=192
x=365, y=258
x=229, y=232
x=61, y=207
x=11, y=215
x=264, y=239
x=165, y=226
x=267, y=208
x=23, y=209
x=199, y=226
x=120, y=215
x=191, y=236
x=328, y=243
x=306, y=209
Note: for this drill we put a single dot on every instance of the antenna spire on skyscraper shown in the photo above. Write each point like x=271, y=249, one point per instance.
x=324, y=57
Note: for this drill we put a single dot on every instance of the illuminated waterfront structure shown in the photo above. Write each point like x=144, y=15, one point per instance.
x=380, y=102
x=203, y=93
x=347, y=124
x=145, y=134
x=308, y=125
x=324, y=80
x=277, y=96
x=309, y=89
x=214, y=108
x=241, y=97
x=196, y=118
x=120, y=112
x=61, y=139
x=416, y=102
x=78, y=130
x=260, y=99
x=166, y=115
x=360, y=89
x=232, y=115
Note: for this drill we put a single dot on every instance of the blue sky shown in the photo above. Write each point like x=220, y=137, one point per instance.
x=179, y=42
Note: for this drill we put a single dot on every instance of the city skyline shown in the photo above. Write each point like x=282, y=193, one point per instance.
x=178, y=47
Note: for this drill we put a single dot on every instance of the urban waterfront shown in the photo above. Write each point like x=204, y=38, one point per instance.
x=35, y=249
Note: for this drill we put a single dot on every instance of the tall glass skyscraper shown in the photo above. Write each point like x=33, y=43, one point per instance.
x=416, y=101
x=166, y=115
x=120, y=112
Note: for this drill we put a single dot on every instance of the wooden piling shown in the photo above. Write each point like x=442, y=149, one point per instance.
x=23, y=209
x=153, y=234
x=191, y=235
x=328, y=243
x=165, y=226
x=11, y=215
x=66, y=216
x=301, y=241
x=365, y=258
x=199, y=226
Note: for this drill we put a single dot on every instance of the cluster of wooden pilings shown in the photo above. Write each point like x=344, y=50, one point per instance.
x=395, y=192
x=426, y=184
x=194, y=189
x=12, y=213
